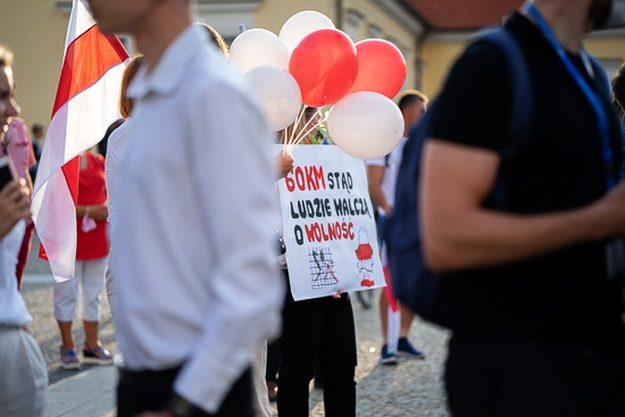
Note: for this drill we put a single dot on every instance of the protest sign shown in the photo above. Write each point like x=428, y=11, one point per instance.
x=328, y=224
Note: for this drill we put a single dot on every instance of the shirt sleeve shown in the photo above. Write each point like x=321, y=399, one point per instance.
x=376, y=162
x=231, y=169
x=114, y=146
x=473, y=107
x=110, y=171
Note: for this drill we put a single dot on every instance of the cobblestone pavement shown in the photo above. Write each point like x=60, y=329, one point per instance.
x=413, y=388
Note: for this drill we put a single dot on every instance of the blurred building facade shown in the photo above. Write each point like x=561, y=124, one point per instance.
x=430, y=34
x=450, y=25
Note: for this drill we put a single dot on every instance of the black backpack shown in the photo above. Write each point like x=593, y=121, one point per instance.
x=414, y=285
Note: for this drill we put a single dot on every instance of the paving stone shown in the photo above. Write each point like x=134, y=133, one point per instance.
x=413, y=388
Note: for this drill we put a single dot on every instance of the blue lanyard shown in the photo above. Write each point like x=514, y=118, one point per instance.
x=591, y=96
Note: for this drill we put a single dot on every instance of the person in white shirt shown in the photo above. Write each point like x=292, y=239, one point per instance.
x=197, y=285
x=382, y=174
x=23, y=374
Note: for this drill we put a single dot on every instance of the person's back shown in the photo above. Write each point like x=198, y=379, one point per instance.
x=526, y=284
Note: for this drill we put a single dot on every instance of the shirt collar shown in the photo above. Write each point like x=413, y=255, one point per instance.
x=171, y=68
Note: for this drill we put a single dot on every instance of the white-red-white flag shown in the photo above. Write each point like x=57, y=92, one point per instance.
x=87, y=102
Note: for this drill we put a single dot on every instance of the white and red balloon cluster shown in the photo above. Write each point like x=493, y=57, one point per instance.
x=312, y=63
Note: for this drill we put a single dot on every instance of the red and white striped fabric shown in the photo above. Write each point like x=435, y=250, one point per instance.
x=393, y=312
x=87, y=102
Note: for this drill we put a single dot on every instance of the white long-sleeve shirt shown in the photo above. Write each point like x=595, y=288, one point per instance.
x=195, y=214
x=114, y=147
x=13, y=311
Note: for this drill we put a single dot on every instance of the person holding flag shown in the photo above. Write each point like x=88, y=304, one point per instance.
x=86, y=104
x=91, y=260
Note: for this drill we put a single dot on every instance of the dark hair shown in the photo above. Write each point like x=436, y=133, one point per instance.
x=618, y=86
x=125, y=103
x=309, y=112
x=410, y=97
x=36, y=128
x=216, y=38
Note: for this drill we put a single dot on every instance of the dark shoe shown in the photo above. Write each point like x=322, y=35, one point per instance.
x=98, y=356
x=388, y=358
x=406, y=350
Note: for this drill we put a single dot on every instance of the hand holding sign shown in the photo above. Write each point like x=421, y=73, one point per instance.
x=284, y=164
x=329, y=230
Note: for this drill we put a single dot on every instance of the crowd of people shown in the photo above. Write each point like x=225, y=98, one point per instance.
x=531, y=286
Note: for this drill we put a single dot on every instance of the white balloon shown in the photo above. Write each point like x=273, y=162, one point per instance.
x=279, y=94
x=366, y=125
x=256, y=47
x=302, y=24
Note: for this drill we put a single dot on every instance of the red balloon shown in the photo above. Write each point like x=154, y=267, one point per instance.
x=325, y=66
x=381, y=68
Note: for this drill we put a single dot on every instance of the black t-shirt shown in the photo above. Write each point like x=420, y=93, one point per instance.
x=562, y=296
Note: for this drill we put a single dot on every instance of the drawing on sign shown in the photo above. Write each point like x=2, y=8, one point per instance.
x=322, y=268
x=364, y=254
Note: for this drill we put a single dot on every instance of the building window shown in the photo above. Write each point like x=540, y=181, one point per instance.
x=229, y=17
x=354, y=21
x=404, y=51
x=374, y=31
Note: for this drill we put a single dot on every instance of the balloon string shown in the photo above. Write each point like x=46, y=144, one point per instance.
x=321, y=121
x=296, y=124
x=301, y=137
x=288, y=132
x=284, y=136
x=308, y=123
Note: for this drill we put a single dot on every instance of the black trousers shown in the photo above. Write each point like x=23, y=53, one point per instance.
x=520, y=378
x=320, y=329
x=273, y=361
x=138, y=392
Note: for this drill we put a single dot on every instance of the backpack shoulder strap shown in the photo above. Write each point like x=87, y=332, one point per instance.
x=521, y=108
x=521, y=118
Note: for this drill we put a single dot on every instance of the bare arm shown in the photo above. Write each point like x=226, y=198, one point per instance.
x=375, y=175
x=458, y=233
x=96, y=211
